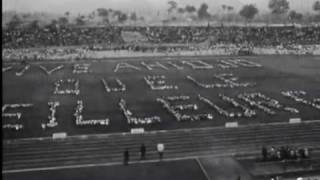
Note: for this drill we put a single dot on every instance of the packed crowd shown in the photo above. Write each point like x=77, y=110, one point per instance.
x=91, y=36
x=59, y=36
x=41, y=42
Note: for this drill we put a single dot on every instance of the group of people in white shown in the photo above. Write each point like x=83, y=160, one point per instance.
x=120, y=86
x=49, y=72
x=52, y=116
x=236, y=63
x=81, y=122
x=198, y=65
x=18, y=125
x=6, y=68
x=23, y=70
x=228, y=81
x=125, y=66
x=194, y=64
x=265, y=103
x=59, y=83
x=175, y=110
x=153, y=65
x=136, y=120
x=158, y=83
x=81, y=68
x=296, y=96
x=246, y=111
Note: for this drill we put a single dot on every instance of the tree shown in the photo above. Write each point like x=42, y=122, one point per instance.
x=190, y=9
x=248, y=11
x=203, y=12
x=80, y=21
x=133, y=16
x=63, y=21
x=230, y=8
x=122, y=17
x=26, y=15
x=279, y=6
x=316, y=6
x=172, y=6
x=294, y=16
x=181, y=10
x=34, y=25
x=224, y=7
x=14, y=22
x=103, y=12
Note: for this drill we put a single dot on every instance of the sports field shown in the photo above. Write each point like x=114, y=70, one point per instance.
x=267, y=75
x=186, y=169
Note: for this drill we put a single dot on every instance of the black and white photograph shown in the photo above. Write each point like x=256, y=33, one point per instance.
x=160, y=89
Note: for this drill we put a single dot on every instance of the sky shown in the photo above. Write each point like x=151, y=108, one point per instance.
x=140, y=6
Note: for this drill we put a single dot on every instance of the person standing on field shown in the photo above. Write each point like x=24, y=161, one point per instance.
x=126, y=157
x=143, y=150
x=160, y=149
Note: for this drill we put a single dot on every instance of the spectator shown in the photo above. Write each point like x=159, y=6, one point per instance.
x=306, y=152
x=160, y=149
x=264, y=152
x=126, y=157
x=143, y=152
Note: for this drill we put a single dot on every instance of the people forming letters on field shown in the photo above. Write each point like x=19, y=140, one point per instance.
x=62, y=82
x=177, y=109
x=81, y=68
x=49, y=72
x=159, y=83
x=151, y=65
x=244, y=110
x=15, y=125
x=52, y=116
x=133, y=120
x=125, y=66
x=120, y=86
x=228, y=80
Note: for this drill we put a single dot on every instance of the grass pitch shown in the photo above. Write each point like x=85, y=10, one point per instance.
x=277, y=73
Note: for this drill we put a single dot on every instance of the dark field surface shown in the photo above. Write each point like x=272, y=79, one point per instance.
x=186, y=169
x=35, y=86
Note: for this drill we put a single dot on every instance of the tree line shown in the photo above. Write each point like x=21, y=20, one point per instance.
x=279, y=11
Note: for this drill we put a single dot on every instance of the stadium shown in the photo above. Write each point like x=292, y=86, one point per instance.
x=123, y=101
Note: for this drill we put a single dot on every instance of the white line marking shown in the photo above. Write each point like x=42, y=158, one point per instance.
x=203, y=169
x=95, y=165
